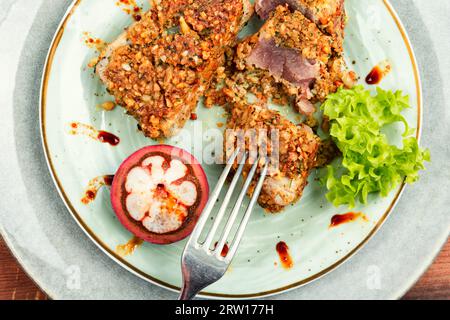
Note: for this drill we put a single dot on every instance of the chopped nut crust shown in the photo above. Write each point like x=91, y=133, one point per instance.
x=162, y=65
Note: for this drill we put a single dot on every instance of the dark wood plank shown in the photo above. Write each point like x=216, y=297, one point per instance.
x=16, y=285
x=435, y=284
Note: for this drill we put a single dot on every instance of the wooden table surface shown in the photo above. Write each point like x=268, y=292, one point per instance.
x=16, y=285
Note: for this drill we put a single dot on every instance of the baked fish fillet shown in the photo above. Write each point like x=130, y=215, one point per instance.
x=294, y=157
x=328, y=15
x=298, y=55
x=160, y=66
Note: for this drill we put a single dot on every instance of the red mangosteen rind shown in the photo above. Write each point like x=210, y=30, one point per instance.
x=195, y=174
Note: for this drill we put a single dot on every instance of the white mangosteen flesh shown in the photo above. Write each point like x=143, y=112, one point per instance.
x=157, y=196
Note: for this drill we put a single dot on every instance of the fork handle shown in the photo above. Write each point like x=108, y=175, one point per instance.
x=189, y=291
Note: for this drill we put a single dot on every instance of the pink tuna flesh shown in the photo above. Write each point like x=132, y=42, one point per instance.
x=305, y=107
x=264, y=7
x=284, y=63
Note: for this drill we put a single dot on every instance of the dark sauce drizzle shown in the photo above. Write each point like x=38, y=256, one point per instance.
x=283, y=252
x=94, y=187
x=339, y=219
x=375, y=76
x=108, y=180
x=106, y=137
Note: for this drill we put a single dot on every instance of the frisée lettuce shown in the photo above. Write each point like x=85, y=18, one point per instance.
x=369, y=162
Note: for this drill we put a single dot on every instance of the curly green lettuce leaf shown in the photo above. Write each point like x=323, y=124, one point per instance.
x=370, y=164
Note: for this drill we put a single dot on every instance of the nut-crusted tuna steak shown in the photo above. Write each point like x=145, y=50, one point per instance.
x=293, y=150
x=158, y=69
x=297, y=54
x=329, y=15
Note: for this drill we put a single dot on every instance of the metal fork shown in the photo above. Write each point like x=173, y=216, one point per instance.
x=202, y=266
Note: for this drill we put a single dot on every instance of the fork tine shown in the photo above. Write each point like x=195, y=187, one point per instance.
x=255, y=196
x=234, y=213
x=206, y=245
x=213, y=198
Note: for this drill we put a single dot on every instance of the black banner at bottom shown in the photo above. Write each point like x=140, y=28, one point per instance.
x=246, y=310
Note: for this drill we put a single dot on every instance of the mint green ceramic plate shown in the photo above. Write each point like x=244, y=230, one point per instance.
x=70, y=92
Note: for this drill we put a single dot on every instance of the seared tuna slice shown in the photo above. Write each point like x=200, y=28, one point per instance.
x=329, y=15
x=293, y=50
x=284, y=63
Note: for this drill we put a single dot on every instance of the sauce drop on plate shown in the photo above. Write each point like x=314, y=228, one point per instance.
x=108, y=179
x=130, y=7
x=129, y=247
x=94, y=186
x=77, y=128
x=94, y=43
x=378, y=73
x=339, y=219
x=285, y=257
x=107, y=137
x=375, y=76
